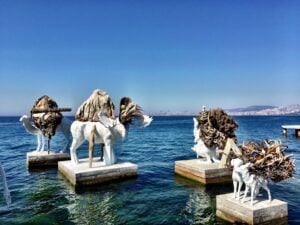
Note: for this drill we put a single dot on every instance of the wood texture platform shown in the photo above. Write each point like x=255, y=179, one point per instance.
x=200, y=171
x=294, y=127
x=82, y=175
x=262, y=211
x=43, y=159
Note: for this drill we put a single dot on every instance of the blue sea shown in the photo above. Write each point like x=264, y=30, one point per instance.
x=156, y=196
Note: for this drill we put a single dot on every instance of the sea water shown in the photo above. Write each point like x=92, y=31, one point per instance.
x=156, y=196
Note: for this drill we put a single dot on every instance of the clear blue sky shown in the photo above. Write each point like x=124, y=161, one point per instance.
x=166, y=55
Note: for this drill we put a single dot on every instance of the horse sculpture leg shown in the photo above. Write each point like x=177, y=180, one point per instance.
x=107, y=159
x=113, y=156
x=91, y=146
x=39, y=143
x=49, y=145
x=245, y=193
x=235, y=183
x=75, y=144
x=102, y=151
x=43, y=142
x=252, y=191
x=240, y=184
x=269, y=193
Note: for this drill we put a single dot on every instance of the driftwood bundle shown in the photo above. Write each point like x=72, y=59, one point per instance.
x=268, y=160
x=129, y=111
x=46, y=115
x=99, y=101
x=215, y=127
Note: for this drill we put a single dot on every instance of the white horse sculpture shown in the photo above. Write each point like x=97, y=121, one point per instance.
x=252, y=182
x=200, y=148
x=107, y=132
x=6, y=191
x=63, y=127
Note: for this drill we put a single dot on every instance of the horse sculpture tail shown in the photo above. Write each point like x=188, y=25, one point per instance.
x=91, y=145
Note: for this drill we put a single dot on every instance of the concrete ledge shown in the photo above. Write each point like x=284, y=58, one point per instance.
x=200, y=171
x=82, y=175
x=262, y=211
x=43, y=159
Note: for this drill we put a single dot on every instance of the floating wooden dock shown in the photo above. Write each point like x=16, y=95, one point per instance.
x=43, y=159
x=293, y=127
x=198, y=170
x=262, y=212
x=81, y=175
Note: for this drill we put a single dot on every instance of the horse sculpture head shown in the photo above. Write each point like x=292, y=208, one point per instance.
x=131, y=113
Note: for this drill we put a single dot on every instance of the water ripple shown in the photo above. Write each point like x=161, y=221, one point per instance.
x=156, y=196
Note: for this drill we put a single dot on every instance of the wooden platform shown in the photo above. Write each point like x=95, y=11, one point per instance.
x=200, y=171
x=262, y=212
x=43, y=159
x=82, y=175
x=293, y=127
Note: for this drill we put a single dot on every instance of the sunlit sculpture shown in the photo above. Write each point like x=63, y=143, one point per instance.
x=201, y=149
x=211, y=130
x=102, y=128
x=259, y=163
x=237, y=178
x=63, y=127
x=46, y=119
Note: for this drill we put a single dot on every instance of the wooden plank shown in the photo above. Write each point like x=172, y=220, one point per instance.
x=290, y=126
x=51, y=110
x=230, y=145
x=295, y=127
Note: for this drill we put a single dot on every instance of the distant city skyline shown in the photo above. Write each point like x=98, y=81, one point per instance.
x=166, y=55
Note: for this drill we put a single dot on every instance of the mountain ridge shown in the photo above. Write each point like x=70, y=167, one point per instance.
x=263, y=110
x=254, y=110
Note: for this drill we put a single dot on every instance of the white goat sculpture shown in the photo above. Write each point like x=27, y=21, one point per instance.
x=107, y=132
x=236, y=177
x=252, y=182
x=200, y=148
x=63, y=127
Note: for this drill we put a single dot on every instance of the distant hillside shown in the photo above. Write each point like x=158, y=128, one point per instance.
x=173, y=113
x=253, y=108
x=266, y=110
x=261, y=110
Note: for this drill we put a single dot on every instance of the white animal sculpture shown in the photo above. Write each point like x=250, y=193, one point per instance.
x=203, y=151
x=200, y=148
x=253, y=182
x=236, y=178
x=108, y=131
x=6, y=191
x=63, y=127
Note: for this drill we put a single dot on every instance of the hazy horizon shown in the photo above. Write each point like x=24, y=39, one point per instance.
x=166, y=55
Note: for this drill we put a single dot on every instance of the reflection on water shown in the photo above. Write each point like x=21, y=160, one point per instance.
x=200, y=206
x=91, y=208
